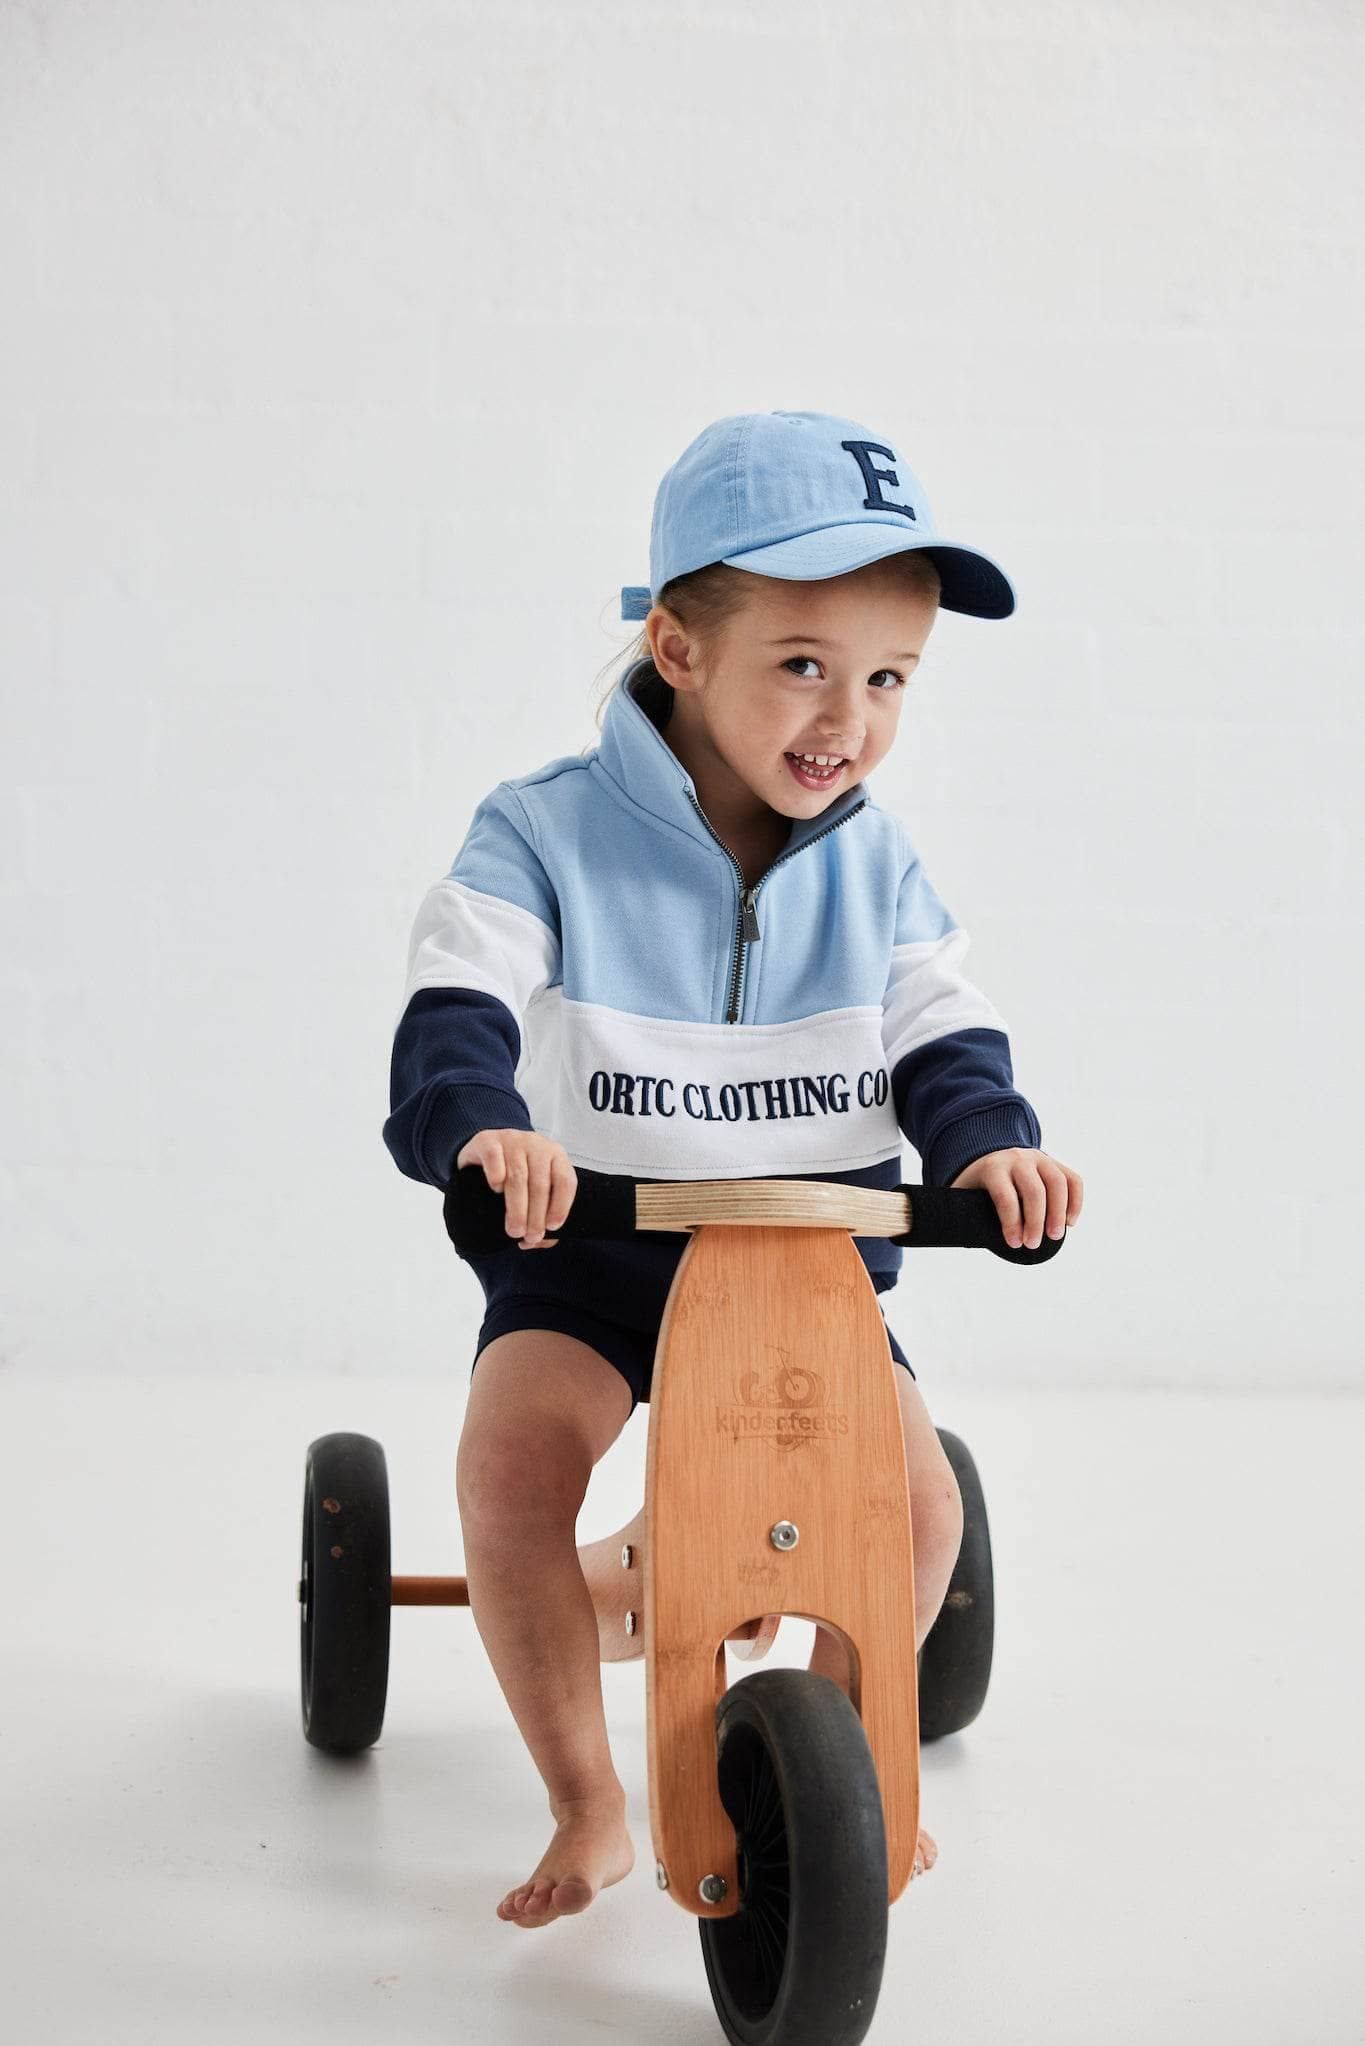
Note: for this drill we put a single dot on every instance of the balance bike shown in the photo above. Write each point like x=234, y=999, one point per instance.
x=784, y=1812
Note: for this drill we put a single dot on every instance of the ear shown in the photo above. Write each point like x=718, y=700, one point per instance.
x=673, y=653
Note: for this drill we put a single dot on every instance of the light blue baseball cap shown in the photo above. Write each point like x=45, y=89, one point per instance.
x=802, y=496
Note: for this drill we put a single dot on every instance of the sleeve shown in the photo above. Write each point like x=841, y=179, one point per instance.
x=485, y=943
x=946, y=1048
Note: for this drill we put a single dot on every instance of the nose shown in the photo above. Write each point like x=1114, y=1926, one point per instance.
x=848, y=742
x=848, y=736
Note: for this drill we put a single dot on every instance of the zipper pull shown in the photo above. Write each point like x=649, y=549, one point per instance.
x=751, y=931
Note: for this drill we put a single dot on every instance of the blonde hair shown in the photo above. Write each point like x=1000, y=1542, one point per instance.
x=704, y=602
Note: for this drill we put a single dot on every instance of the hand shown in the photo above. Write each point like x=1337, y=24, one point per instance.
x=1047, y=1192
x=535, y=1176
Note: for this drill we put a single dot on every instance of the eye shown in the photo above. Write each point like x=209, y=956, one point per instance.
x=900, y=679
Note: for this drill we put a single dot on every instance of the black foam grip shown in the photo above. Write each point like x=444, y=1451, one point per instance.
x=476, y=1215
x=965, y=1218
x=959, y=1218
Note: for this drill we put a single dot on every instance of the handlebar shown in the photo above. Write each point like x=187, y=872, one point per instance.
x=614, y=1204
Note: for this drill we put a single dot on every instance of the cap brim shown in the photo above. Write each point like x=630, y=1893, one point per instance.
x=972, y=582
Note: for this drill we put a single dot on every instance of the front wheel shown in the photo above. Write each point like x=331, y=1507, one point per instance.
x=800, y=1962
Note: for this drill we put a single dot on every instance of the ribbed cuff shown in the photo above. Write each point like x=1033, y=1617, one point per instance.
x=1003, y=1126
x=458, y=1113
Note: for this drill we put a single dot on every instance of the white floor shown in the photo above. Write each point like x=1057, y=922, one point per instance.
x=1152, y=1831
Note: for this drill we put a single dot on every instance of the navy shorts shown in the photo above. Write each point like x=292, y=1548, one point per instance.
x=631, y=1350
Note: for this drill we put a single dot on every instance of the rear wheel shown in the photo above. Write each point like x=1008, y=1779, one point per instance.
x=345, y=1597
x=955, y=1661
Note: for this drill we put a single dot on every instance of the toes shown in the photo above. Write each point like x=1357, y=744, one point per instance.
x=544, y=1899
x=516, y=1902
x=572, y=1893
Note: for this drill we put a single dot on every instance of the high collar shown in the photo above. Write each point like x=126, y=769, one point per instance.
x=635, y=753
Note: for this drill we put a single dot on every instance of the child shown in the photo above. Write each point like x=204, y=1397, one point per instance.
x=699, y=950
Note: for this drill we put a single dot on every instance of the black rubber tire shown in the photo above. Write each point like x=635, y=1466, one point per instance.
x=955, y=1661
x=345, y=1593
x=800, y=1963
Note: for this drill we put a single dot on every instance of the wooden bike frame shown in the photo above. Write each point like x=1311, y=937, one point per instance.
x=776, y=1482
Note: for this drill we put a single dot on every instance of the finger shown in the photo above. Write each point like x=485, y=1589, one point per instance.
x=1075, y=1197
x=1054, y=1178
x=537, y=1200
x=1033, y=1200
x=563, y=1187
x=514, y=1193
x=1006, y=1197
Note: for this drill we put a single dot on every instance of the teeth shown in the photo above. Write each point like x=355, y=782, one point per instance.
x=818, y=759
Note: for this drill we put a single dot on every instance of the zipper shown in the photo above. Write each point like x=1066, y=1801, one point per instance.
x=747, y=931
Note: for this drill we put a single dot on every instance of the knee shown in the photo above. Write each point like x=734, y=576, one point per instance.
x=515, y=1479
x=936, y=1517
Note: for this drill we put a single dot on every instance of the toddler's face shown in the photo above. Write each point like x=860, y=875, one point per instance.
x=835, y=688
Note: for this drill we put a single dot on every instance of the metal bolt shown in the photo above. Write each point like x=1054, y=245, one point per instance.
x=660, y=1876
x=626, y=1554
x=783, y=1535
x=713, y=1888
x=630, y=1623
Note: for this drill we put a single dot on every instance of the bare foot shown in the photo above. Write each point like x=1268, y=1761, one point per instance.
x=926, y=1853
x=590, y=1851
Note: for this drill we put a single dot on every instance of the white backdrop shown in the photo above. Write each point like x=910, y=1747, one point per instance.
x=344, y=346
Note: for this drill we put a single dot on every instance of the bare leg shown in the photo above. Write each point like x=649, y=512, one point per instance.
x=529, y=1599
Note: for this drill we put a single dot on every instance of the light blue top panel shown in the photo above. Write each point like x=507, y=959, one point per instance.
x=649, y=901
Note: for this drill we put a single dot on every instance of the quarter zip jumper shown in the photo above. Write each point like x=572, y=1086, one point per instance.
x=585, y=969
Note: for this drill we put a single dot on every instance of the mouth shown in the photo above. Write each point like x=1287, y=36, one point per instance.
x=809, y=775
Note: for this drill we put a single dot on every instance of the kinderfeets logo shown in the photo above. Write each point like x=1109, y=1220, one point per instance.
x=787, y=1405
